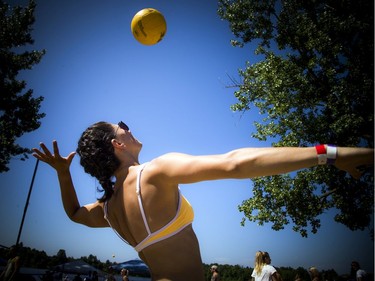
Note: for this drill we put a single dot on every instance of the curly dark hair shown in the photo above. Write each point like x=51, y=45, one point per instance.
x=97, y=155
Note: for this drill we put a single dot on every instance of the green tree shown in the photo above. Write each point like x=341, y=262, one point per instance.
x=19, y=110
x=288, y=274
x=94, y=261
x=329, y=275
x=302, y=273
x=313, y=84
x=59, y=258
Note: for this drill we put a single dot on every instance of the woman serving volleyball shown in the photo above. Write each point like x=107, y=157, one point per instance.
x=144, y=205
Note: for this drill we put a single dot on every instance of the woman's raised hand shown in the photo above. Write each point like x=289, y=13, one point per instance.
x=55, y=160
x=354, y=160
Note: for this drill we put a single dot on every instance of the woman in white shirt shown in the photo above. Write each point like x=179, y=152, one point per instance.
x=263, y=271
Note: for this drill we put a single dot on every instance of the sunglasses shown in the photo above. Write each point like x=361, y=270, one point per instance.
x=123, y=126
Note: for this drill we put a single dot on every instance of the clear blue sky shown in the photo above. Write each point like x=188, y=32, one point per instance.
x=174, y=97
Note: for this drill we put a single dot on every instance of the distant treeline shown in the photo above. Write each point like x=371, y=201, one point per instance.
x=39, y=259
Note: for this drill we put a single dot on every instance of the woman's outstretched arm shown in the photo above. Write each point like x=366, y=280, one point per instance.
x=256, y=162
x=91, y=214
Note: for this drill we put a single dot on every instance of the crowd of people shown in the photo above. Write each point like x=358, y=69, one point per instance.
x=264, y=271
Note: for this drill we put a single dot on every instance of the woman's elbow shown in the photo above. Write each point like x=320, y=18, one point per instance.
x=233, y=167
x=74, y=218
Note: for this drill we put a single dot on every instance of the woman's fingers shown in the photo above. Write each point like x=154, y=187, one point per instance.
x=37, y=154
x=56, y=149
x=55, y=160
x=70, y=157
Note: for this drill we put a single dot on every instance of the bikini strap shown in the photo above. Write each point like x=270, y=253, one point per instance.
x=106, y=211
x=138, y=190
x=107, y=219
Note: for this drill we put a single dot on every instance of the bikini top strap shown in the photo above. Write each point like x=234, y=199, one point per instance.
x=138, y=190
x=106, y=211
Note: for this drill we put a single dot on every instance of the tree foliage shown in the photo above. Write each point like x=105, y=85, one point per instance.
x=39, y=259
x=313, y=84
x=19, y=110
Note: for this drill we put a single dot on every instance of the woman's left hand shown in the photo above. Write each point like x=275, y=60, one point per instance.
x=55, y=160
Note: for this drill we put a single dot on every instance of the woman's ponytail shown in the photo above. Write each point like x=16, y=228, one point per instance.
x=98, y=157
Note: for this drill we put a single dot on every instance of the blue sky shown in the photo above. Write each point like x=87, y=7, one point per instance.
x=174, y=96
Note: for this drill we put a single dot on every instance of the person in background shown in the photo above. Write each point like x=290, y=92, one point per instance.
x=360, y=274
x=144, y=205
x=110, y=276
x=94, y=276
x=314, y=274
x=263, y=270
x=12, y=268
x=124, y=274
x=215, y=273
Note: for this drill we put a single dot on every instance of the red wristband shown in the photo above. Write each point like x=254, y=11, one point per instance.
x=322, y=154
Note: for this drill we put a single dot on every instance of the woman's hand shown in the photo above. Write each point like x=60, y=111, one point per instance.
x=354, y=160
x=54, y=160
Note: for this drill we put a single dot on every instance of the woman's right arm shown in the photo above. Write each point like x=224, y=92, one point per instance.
x=92, y=214
x=276, y=277
x=254, y=162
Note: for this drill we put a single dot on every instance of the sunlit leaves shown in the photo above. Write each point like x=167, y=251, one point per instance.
x=314, y=84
